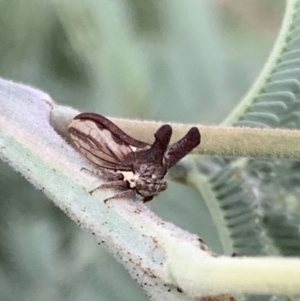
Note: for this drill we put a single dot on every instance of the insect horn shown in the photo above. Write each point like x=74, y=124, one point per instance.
x=162, y=137
x=157, y=150
x=183, y=146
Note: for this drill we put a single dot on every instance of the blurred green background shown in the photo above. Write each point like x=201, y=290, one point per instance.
x=185, y=61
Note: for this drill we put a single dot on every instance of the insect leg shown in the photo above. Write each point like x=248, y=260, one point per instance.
x=104, y=173
x=111, y=184
x=124, y=194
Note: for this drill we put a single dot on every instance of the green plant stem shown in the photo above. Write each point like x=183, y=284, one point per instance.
x=215, y=140
x=228, y=141
x=160, y=256
x=249, y=142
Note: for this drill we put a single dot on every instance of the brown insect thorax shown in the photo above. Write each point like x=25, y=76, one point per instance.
x=147, y=180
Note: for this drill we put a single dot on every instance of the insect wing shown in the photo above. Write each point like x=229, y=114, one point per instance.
x=183, y=146
x=103, y=143
x=103, y=122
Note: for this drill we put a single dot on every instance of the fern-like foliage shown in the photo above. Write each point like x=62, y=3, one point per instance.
x=255, y=197
x=239, y=207
x=258, y=199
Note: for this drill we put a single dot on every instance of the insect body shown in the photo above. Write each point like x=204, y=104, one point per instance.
x=136, y=166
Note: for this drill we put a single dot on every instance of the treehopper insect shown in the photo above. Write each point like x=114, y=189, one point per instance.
x=135, y=166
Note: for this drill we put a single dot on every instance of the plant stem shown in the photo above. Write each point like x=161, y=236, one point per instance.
x=228, y=141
